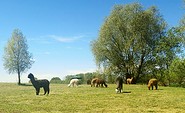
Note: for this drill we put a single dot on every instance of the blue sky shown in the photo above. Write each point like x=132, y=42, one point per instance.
x=59, y=32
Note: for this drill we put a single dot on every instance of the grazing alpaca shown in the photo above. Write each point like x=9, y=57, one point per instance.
x=98, y=82
x=93, y=82
x=39, y=83
x=73, y=82
x=88, y=82
x=129, y=80
x=119, y=82
x=152, y=82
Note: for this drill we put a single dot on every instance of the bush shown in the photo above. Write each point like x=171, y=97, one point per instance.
x=56, y=80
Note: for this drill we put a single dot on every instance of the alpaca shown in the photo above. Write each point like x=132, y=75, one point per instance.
x=152, y=82
x=119, y=82
x=100, y=82
x=73, y=82
x=93, y=82
x=88, y=82
x=37, y=84
x=129, y=80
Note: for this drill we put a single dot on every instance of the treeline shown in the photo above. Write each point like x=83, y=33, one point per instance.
x=85, y=78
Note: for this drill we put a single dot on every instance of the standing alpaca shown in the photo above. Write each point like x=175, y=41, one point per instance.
x=129, y=80
x=119, y=82
x=37, y=84
x=152, y=82
x=73, y=82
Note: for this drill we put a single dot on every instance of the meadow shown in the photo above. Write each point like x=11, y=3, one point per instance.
x=86, y=99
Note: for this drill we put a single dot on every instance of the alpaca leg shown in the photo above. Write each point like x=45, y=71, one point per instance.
x=45, y=90
x=117, y=88
x=156, y=86
x=76, y=84
x=152, y=87
x=105, y=84
x=121, y=86
x=73, y=84
x=101, y=84
x=37, y=91
x=48, y=90
x=96, y=84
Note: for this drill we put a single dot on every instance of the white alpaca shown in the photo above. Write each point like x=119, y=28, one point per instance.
x=73, y=82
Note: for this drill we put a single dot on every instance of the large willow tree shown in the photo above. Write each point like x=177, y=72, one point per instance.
x=130, y=40
x=17, y=58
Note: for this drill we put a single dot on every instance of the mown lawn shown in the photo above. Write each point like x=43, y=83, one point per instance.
x=86, y=99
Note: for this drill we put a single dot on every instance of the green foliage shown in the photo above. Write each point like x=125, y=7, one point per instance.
x=82, y=77
x=85, y=77
x=176, y=72
x=56, y=80
x=16, y=57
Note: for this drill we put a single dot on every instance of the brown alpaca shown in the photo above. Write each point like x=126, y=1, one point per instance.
x=129, y=80
x=98, y=82
x=152, y=82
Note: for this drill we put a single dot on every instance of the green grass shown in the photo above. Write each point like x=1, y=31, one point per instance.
x=86, y=99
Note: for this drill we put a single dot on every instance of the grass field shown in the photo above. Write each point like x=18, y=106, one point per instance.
x=86, y=99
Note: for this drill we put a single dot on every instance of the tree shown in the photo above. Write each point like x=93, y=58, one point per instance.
x=176, y=72
x=17, y=58
x=56, y=80
x=130, y=41
x=171, y=47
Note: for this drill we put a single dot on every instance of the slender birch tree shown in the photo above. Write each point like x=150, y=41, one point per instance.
x=17, y=58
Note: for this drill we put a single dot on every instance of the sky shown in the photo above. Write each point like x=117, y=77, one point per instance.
x=59, y=32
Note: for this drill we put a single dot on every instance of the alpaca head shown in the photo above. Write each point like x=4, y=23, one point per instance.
x=116, y=90
x=30, y=76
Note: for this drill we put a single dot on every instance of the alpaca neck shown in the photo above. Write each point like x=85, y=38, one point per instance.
x=32, y=80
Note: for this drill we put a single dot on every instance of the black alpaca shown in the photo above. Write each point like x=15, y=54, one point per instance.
x=39, y=83
x=119, y=82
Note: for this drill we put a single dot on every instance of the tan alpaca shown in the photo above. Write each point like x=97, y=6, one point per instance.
x=129, y=80
x=152, y=82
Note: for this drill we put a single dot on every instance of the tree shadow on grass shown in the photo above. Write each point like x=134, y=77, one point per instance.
x=23, y=84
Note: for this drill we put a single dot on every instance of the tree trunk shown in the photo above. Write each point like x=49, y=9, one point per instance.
x=140, y=67
x=19, y=78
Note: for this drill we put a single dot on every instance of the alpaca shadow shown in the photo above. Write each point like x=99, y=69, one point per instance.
x=126, y=92
x=157, y=89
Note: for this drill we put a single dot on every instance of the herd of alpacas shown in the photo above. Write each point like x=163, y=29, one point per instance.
x=95, y=82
